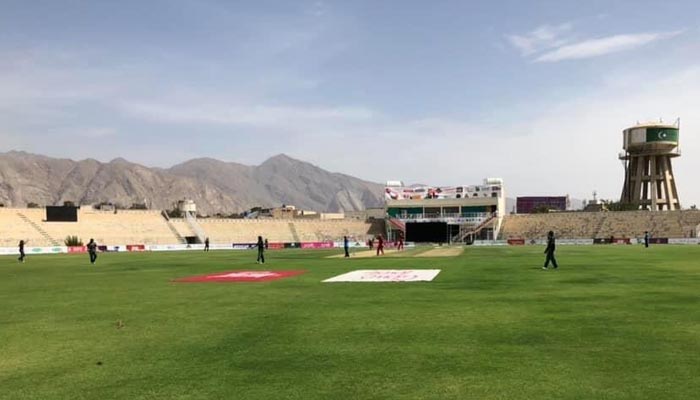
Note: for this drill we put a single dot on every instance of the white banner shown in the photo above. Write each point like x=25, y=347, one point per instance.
x=573, y=241
x=117, y=248
x=170, y=247
x=684, y=241
x=490, y=243
x=34, y=250
x=387, y=275
x=9, y=251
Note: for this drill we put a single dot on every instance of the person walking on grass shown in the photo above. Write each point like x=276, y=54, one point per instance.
x=646, y=238
x=92, y=250
x=261, y=250
x=206, y=244
x=380, y=245
x=399, y=247
x=549, y=251
x=346, y=246
x=21, y=250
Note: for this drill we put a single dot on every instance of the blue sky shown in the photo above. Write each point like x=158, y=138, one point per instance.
x=444, y=92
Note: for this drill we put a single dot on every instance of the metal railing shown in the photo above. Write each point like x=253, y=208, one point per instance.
x=457, y=217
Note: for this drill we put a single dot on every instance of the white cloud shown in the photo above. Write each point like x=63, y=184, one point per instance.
x=553, y=43
x=318, y=9
x=602, y=46
x=541, y=38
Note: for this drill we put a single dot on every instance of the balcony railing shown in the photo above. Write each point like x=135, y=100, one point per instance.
x=462, y=218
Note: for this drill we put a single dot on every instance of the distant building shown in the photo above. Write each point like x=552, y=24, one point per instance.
x=444, y=214
x=528, y=204
x=187, y=206
x=284, y=212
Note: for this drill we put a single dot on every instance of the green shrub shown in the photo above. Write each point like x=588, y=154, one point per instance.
x=73, y=241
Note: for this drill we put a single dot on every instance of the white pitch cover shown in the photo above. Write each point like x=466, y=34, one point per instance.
x=387, y=275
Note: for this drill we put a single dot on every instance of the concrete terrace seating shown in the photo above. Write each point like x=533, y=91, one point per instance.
x=149, y=227
x=106, y=227
x=226, y=231
x=625, y=224
x=13, y=229
x=182, y=227
x=590, y=225
x=536, y=226
x=324, y=230
x=690, y=221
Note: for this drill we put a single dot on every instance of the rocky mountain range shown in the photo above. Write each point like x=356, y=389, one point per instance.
x=215, y=186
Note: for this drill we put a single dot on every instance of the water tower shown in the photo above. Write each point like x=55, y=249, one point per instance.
x=649, y=181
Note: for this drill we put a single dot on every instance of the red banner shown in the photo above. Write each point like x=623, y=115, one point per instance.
x=275, y=246
x=135, y=247
x=516, y=242
x=77, y=249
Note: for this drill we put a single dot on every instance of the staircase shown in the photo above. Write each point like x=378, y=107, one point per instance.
x=397, y=224
x=38, y=228
x=599, y=227
x=172, y=228
x=196, y=228
x=465, y=230
x=293, y=230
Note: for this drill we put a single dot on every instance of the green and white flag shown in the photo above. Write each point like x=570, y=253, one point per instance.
x=662, y=135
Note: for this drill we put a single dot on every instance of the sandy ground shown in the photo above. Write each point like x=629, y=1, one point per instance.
x=366, y=254
x=435, y=252
x=441, y=252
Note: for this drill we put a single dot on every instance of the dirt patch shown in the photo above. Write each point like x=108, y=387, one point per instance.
x=441, y=252
x=367, y=254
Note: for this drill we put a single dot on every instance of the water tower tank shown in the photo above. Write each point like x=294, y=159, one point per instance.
x=649, y=182
x=650, y=138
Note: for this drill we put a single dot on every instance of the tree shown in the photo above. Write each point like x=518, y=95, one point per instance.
x=73, y=241
x=174, y=213
x=541, y=209
x=618, y=206
x=138, y=206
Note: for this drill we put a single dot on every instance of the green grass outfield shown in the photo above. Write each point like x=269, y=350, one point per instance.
x=615, y=322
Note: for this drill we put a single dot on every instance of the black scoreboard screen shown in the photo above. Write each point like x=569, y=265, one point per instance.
x=61, y=214
x=434, y=232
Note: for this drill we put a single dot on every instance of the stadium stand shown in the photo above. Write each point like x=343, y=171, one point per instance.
x=151, y=227
x=591, y=225
x=318, y=230
x=287, y=230
x=106, y=227
x=225, y=231
x=536, y=226
x=182, y=228
x=16, y=227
